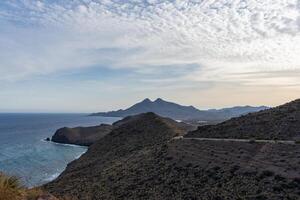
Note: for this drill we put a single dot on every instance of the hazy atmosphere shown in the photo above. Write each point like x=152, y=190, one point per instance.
x=149, y=99
x=92, y=55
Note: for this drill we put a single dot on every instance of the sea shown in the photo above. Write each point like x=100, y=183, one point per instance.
x=25, y=153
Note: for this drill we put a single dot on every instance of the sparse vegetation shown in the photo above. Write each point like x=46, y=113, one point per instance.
x=271, y=124
x=266, y=173
x=12, y=189
x=33, y=194
x=139, y=160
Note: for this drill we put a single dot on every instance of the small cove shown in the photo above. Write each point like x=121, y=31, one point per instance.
x=24, y=151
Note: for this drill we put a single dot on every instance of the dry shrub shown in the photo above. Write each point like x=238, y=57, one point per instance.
x=68, y=198
x=34, y=194
x=10, y=188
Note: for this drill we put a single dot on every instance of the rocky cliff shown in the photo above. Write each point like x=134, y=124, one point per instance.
x=84, y=136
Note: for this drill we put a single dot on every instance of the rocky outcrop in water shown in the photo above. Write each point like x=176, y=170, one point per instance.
x=84, y=136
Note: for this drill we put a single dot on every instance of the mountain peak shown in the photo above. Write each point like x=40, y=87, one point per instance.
x=147, y=100
x=159, y=100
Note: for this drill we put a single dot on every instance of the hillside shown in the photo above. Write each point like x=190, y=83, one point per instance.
x=140, y=159
x=179, y=112
x=133, y=136
x=86, y=136
x=282, y=122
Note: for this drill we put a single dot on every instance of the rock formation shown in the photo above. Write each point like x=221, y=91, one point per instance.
x=84, y=136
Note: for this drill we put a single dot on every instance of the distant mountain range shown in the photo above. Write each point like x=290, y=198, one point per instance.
x=180, y=112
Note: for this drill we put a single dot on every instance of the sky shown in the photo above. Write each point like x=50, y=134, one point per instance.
x=93, y=55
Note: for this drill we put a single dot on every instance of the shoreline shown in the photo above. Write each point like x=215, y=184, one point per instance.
x=65, y=144
x=25, y=153
x=53, y=176
x=57, y=174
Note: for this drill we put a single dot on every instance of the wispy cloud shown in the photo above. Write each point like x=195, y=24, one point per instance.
x=223, y=50
x=280, y=78
x=39, y=37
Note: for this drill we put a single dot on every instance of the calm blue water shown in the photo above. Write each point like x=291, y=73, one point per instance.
x=23, y=151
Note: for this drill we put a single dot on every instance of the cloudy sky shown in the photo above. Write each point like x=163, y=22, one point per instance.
x=92, y=55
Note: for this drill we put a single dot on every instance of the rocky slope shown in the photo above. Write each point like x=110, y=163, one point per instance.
x=282, y=122
x=140, y=159
x=84, y=136
x=136, y=135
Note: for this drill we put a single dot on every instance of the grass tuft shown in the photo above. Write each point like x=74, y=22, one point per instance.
x=10, y=188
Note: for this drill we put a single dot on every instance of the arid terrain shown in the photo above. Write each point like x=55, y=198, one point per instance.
x=282, y=123
x=140, y=159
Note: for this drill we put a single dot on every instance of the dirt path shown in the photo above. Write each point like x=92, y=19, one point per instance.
x=237, y=140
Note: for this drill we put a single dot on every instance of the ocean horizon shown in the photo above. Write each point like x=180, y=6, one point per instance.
x=25, y=153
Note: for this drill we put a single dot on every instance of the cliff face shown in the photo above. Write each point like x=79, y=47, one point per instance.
x=282, y=122
x=84, y=136
x=140, y=159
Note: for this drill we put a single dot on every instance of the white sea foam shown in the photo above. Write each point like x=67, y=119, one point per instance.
x=62, y=144
x=55, y=175
x=52, y=177
x=79, y=155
